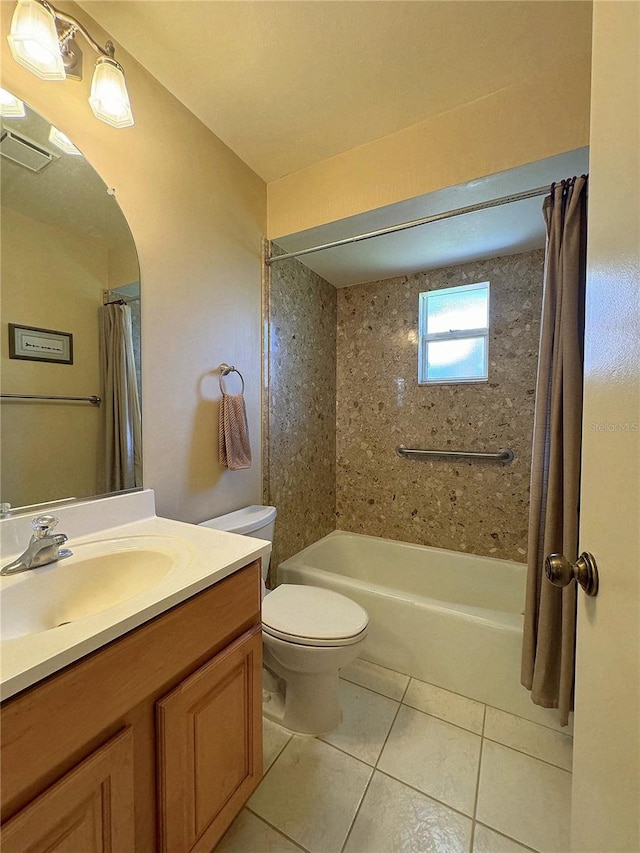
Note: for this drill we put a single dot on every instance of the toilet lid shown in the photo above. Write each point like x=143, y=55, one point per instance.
x=312, y=613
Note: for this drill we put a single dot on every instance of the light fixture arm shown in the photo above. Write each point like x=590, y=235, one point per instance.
x=75, y=26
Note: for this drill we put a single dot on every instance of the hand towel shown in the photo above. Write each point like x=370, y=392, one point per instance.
x=234, y=450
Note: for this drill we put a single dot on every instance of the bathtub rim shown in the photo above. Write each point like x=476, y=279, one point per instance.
x=508, y=620
x=404, y=545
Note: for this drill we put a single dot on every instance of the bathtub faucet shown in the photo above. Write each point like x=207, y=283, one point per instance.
x=43, y=547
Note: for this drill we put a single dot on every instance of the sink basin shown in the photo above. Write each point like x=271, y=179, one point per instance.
x=99, y=575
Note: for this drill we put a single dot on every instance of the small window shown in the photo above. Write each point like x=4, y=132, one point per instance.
x=453, y=327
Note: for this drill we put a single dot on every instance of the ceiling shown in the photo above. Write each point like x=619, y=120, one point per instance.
x=288, y=84
x=67, y=194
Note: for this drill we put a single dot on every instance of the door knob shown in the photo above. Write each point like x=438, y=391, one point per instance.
x=561, y=572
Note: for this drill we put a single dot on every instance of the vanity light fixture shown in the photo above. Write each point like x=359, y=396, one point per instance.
x=109, y=98
x=62, y=141
x=42, y=39
x=11, y=107
x=34, y=40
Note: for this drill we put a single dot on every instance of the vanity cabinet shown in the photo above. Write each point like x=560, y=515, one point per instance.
x=153, y=742
x=90, y=809
x=208, y=754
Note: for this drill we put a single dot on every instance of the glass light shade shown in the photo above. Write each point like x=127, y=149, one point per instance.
x=34, y=41
x=10, y=106
x=109, y=97
x=62, y=141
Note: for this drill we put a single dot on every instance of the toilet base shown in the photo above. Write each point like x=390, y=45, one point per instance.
x=307, y=704
x=303, y=696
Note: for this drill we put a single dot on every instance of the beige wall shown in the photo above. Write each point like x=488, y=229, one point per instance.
x=123, y=265
x=301, y=408
x=606, y=758
x=197, y=214
x=526, y=122
x=51, y=279
x=478, y=507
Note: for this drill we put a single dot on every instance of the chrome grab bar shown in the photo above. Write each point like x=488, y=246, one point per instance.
x=504, y=455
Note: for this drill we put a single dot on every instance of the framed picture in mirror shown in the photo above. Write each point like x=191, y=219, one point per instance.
x=34, y=344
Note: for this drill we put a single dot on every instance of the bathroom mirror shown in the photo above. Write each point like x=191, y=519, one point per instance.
x=66, y=251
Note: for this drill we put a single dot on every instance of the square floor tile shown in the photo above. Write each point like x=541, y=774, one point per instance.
x=524, y=798
x=439, y=759
x=448, y=706
x=539, y=741
x=376, y=678
x=396, y=819
x=367, y=718
x=487, y=841
x=312, y=793
x=249, y=834
x=274, y=740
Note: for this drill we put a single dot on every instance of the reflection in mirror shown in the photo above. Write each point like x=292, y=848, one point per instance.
x=70, y=299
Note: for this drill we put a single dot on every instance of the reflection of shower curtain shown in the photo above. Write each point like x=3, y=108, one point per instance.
x=122, y=422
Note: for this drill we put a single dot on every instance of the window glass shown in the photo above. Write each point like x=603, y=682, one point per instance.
x=454, y=334
x=452, y=310
x=458, y=359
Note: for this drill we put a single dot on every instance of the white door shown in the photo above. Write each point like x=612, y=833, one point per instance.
x=606, y=782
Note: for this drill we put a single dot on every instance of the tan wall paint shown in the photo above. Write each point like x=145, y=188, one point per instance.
x=606, y=777
x=51, y=279
x=197, y=214
x=526, y=122
x=123, y=265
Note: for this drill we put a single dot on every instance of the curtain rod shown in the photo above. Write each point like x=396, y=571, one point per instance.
x=414, y=223
x=122, y=300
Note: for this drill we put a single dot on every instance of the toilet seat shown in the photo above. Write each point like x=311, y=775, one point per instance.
x=295, y=640
x=313, y=616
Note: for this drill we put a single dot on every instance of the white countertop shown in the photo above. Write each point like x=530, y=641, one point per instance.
x=210, y=556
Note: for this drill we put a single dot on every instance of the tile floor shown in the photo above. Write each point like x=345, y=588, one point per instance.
x=412, y=769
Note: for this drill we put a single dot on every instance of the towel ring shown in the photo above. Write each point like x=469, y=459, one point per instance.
x=225, y=370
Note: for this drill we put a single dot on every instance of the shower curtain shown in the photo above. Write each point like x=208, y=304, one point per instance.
x=122, y=421
x=548, y=656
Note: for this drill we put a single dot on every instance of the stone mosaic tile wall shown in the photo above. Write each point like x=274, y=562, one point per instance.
x=301, y=472
x=476, y=506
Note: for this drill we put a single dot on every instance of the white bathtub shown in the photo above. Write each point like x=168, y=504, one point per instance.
x=451, y=619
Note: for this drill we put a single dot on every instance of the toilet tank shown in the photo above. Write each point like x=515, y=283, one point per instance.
x=256, y=521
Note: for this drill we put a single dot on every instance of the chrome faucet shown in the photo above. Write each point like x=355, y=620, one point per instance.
x=43, y=548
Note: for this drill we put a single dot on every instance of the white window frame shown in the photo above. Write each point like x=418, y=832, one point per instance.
x=453, y=334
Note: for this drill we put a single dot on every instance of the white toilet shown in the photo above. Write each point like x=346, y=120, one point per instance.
x=308, y=633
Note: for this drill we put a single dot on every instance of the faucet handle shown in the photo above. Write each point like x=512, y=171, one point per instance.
x=43, y=525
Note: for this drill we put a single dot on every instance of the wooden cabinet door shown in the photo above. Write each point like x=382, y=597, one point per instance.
x=90, y=809
x=210, y=746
